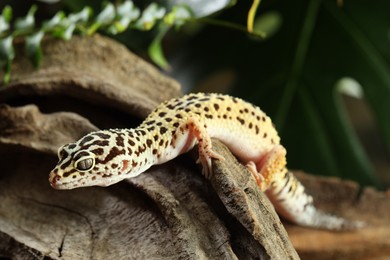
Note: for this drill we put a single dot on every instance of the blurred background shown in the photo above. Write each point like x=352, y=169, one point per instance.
x=322, y=72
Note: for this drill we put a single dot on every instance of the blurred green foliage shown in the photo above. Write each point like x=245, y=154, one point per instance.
x=293, y=74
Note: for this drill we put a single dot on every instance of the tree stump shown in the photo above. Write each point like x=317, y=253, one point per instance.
x=168, y=212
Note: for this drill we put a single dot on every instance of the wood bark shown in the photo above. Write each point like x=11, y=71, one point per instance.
x=170, y=211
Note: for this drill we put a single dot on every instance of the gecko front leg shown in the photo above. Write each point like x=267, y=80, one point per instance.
x=198, y=131
x=270, y=167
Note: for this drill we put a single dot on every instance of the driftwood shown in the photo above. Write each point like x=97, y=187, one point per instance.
x=170, y=211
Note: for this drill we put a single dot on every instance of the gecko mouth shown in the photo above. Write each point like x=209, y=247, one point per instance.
x=57, y=183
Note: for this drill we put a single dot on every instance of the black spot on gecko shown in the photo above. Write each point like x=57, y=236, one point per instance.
x=192, y=97
x=129, y=151
x=209, y=116
x=176, y=124
x=98, y=151
x=250, y=125
x=155, y=138
x=162, y=114
x=224, y=116
x=229, y=109
x=102, y=135
x=112, y=154
x=206, y=109
x=242, y=121
x=131, y=142
x=98, y=143
x=66, y=174
x=168, y=119
x=263, y=118
x=149, y=142
x=179, y=116
x=187, y=110
x=86, y=140
x=159, y=123
x=257, y=129
x=198, y=105
x=150, y=129
x=265, y=135
x=119, y=140
x=72, y=146
x=151, y=122
x=154, y=151
x=163, y=130
x=216, y=107
x=114, y=166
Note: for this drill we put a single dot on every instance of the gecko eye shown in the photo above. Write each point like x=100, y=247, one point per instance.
x=84, y=161
x=85, y=164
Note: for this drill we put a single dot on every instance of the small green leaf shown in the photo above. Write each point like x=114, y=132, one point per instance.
x=7, y=13
x=33, y=48
x=128, y=10
x=5, y=18
x=7, y=54
x=149, y=16
x=177, y=16
x=155, y=51
x=107, y=15
x=126, y=13
x=27, y=22
x=67, y=33
x=7, y=51
x=82, y=16
x=56, y=20
x=267, y=24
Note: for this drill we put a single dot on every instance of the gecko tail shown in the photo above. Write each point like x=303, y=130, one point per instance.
x=292, y=203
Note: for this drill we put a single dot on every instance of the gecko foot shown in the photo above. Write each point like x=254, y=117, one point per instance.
x=269, y=167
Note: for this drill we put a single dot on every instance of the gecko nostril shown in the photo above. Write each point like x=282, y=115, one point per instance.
x=55, y=181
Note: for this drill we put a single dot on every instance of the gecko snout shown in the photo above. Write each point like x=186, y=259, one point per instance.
x=54, y=180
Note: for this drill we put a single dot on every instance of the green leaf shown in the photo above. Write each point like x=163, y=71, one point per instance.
x=5, y=18
x=6, y=14
x=67, y=33
x=82, y=16
x=155, y=51
x=7, y=54
x=268, y=24
x=107, y=15
x=55, y=21
x=33, y=48
x=149, y=16
x=27, y=22
x=126, y=13
x=177, y=16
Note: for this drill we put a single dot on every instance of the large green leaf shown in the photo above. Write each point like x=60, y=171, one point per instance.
x=293, y=76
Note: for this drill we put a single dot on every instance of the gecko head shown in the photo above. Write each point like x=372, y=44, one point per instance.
x=90, y=162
